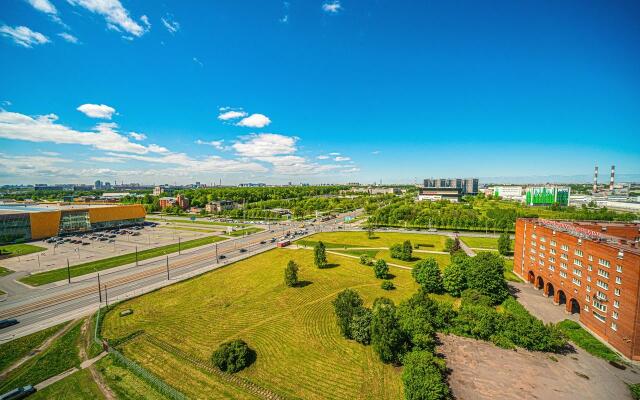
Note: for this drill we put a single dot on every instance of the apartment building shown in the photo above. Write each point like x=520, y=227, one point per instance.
x=590, y=268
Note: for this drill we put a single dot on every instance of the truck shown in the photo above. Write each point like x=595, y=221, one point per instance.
x=283, y=243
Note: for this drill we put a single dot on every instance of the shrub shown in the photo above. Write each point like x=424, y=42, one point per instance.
x=473, y=296
x=504, y=244
x=387, y=338
x=381, y=269
x=347, y=304
x=423, y=377
x=526, y=331
x=360, y=325
x=452, y=245
x=387, y=285
x=485, y=273
x=291, y=274
x=365, y=259
x=320, y=255
x=476, y=321
x=427, y=275
x=402, y=251
x=454, y=279
x=233, y=356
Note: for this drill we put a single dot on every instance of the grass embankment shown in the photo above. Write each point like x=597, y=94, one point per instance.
x=14, y=350
x=125, y=384
x=5, y=271
x=99, y=265
x=77, y=386
x=482, y=242
x=59, y=357
x=246, y=231
x=300, y=352
x=586, y=341
x=380, y=239
x=188, y=221
x=187, y=228
x=15, y=250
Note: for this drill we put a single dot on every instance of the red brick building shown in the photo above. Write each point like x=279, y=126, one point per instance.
x=590, y=268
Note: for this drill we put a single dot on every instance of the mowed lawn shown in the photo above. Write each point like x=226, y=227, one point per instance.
x=59, y=274
x=380, y=239
x=300, y=352
x=15, y=250
x=482, y=242
x=442, y=259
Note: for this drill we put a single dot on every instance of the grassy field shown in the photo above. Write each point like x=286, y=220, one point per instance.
x=508, y=271
x=5, y=271
x=246, y=231
x=99, y=265
x=14, y=350
x=59, y=357
x=380, y=239
x=442, y=259
x=482, y=242
x=15, y=250
x=125, y=384
x=187, y=228
x=585, y=340
x=77, y=386
x=188, y=221
x=300, y=353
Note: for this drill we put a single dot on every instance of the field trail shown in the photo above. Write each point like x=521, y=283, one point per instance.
x=83, y=346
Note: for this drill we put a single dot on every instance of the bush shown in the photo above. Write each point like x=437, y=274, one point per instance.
x=365, y=260
x=424, y=377
x=346, y=305
x=473, y=296
x=402, y=251
x=360, y=325
x=387, y=338
x=476, y=321
x=233, y=356
x=526, y=331
x=427, y=275
x=387, y=285
x=291, y=274
x=454, y=279
x=381, y=269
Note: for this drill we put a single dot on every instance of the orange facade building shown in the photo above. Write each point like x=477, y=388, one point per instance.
x=591, y=269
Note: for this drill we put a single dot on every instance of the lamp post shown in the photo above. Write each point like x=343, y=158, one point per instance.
x=167, y=267
x=136, y=256
x=99, y=289
x=68, y=272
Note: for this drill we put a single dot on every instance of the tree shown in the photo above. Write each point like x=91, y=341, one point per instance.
x=360, y=325
x=381, y=269
x=454, y=279
x=387, y=338
x=485, y=273
x=407, y=250
x=452, y=245
x=423, y=377
x=427, y=275
x=291, y=274
x=347, y=304
x=365, y=260
x=320, y=255
x=504, y=244
x=370, y=231
x=233, y=356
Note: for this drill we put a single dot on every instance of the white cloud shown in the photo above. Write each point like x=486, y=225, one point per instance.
x=171, y=25
x=23, y=36
x=69, y=37
x=375, y=152
x=6, y=103
x=186, y=163
x=44, y=6
x=49, y=153
x=102, y=111
x=255, y=121
x=114, y=13
x=110, y=160
x=284, y=19
x=227, y=115
x=137, y=136
x=195, y=60
x=332, y=7
x=158, y=149
x=339, y=159
x=145, y=21
x=334, y=154
x=265, y=145
x=218, y=144
x=323, y=157
x=43, y=128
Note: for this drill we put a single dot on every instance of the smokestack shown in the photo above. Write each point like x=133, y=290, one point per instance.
x=595, y=180
x=613, y=172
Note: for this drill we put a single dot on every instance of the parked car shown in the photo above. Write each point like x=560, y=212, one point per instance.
x=19, y=393
x=222, y=256
x=243, y=250
x=5, y=323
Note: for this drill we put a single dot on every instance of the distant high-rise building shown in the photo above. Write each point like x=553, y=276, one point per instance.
x=98, y=185
x=466, y=186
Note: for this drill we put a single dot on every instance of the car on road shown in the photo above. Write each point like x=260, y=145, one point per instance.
x=222, y=256
x=263, y=242
x=5, y=323
x=19, y=393
x=432, y=230
x=243, y=250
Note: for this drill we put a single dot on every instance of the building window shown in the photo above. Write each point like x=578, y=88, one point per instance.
x=577, y=272
x=533, y=236
x=619, y=268
x=553, y=243
x=564, y=247
x=618, y=280
x=532, y=258
x=576, y=281
x=541, y=255
x=614, y=326
x=533, y=251
x=588, y=278
x=601, y=296
x=588, y=288
x=541, y=262
x=590, y=258
x=578, y=253
x=564, y=256
x=542, y=247
x=552, y=251
x=616, y=304
x=543, y=239
x=604, y=263
x=552, y=268
x=603, y=273
x=614, y=315
x=552, y=259
x=534, y=244
x=578, y=263
x=563, y=274
x=586, y=307
x=616, y=291
x=563, y=265
x=599, y=317
x=589, y=268
x=603, y=285
x=587, y=298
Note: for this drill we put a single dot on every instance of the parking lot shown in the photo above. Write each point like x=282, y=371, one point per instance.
x=92, y=246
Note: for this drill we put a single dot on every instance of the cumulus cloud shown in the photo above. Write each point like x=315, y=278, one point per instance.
x=102, y=111
x=23, y=36
x=171, y=25
x=255, y=121
x=218, y=144
x=44, y=6
x=137, y=136
x=265, y=144
x=114, y=13
x=227, y=115
x=331, y=7
x=69, y=37
x=207, y=164
x=323, y=157
x=339, y=159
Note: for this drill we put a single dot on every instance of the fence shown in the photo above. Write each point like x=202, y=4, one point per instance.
x=157, y=383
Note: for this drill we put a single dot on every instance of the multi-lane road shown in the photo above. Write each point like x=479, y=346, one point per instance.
x=81, y=297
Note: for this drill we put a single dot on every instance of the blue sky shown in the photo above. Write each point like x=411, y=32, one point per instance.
x=321, y=91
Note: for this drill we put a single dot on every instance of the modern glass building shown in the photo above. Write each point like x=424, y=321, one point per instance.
x=21, y=223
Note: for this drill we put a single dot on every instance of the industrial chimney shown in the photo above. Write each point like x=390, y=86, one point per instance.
x=613, y=172
x=595, y=180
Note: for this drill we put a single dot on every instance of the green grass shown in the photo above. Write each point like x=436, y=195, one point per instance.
x=125, y=384
x=15, y=250
x=635, y=391
x=300, y=352
x=442, y=259
x=186, y=228
x=2, y=292
x=14, y=350
x=5, y=271
x=246, y=231
x=586, y=341
x=99, y=265
x=482, y=242
x=59, y=357
x=77, y=386
x=380, y=239
x=508, y=271
x=188, y=221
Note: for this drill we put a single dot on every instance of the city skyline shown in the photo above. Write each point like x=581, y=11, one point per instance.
x=317, y=92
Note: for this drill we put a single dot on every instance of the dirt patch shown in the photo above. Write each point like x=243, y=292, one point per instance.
x=480, y=370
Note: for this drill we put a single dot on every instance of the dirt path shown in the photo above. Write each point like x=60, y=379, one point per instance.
x=86, y=343
x=45, y=345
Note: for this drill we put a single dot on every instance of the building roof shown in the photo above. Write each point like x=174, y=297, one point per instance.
x=21, y=208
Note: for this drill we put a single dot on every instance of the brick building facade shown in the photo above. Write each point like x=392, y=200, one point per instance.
x=590, y=268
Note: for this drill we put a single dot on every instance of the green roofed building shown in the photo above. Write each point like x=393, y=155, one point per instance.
x=547, y=195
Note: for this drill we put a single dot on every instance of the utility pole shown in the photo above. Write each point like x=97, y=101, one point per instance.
x=217, y=261
x=39, y=261
x=106, y=296
x=68, y=272
x=99, y=289
x=136, y=256
x=167, y=267
x=178, y=244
